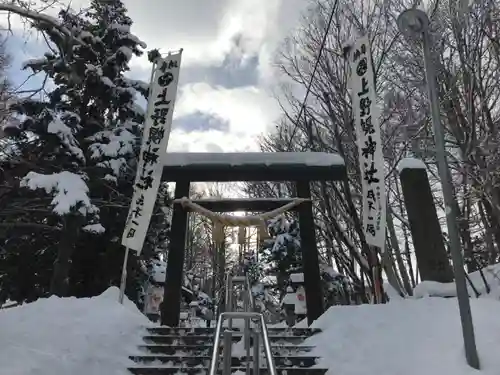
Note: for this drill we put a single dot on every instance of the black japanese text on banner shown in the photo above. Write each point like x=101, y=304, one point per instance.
x=371, y=159
x=157, y=127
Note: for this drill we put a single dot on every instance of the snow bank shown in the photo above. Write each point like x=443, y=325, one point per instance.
x=491, y=275
x=61, y=336
x=411, y=337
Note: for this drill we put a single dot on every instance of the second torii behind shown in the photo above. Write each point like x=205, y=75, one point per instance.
x=222, y=220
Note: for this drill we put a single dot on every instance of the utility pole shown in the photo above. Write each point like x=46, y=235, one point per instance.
x=414, y=23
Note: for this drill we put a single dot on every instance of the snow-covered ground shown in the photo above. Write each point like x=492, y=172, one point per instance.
x=94, y=336
x=62, y=336
x=410, y=337
x=490, y=289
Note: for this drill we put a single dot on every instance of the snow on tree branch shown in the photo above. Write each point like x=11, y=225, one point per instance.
x=41, y=19
x=137, y=84
x=116, y=145
x=34, y=64
x=120, y=142
x=94, y=228
x=125, y=29
x=70, y=191
x=116, y=165
x=58, y=127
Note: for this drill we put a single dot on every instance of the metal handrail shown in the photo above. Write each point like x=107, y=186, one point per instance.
x=251, y=300
x=228, y=292
x=265, y=335
x=247, y=315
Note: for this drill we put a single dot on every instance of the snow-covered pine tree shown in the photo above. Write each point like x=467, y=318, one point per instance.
x=337, y=288
x=282, y=257
x=253, y=268
x=154, y=252
x=281, y=253
x=262, y=289
x=84, y=139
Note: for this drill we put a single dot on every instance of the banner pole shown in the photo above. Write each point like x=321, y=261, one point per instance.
x=123, y=281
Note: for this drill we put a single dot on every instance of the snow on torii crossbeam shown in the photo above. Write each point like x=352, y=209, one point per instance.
x=252, y=166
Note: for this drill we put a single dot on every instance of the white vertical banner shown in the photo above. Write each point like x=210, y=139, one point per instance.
x=367, y=124
x=156, y=133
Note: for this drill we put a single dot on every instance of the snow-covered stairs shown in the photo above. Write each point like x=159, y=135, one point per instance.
x=169, y=351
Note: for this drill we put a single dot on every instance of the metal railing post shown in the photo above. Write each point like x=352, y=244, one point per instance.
x=256, y=353
x=267, y=347
x=246, y=331
x=248, y=315
x=265, y=337
x=228, y=342
x=215, y=353
x=229, y=299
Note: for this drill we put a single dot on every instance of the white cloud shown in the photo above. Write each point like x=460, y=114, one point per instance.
x=209, y=141
x=202, y=28
x=252, y=20
x=209, y=31
x=248, y=110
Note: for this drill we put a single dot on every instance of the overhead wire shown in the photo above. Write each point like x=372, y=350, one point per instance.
x=315, y=68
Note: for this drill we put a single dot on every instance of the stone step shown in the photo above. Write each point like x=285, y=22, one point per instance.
x=204, y=361
x=208, y=339
x=206, y=350
x=180, y=331
x=205, y=371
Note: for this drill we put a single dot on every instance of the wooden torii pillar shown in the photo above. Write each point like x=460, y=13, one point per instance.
x=301, y=168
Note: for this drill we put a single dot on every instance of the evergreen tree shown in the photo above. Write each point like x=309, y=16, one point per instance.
x=77, y=154
x=153, y=265
x=282, y=257
x=337, y=288
x=281, y=253
x=253, y=269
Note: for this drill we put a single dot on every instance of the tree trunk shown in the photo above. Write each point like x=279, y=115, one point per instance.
x=405, y=234
x=388, y=265
x=221, y=274
x=397, y=252
x=495, y=227
x=488, y=234
x=60, y=278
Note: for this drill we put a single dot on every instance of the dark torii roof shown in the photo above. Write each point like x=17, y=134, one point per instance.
x=253, y=166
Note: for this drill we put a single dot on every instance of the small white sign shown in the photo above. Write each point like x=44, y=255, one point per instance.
x=153, y=300
x=300, y=305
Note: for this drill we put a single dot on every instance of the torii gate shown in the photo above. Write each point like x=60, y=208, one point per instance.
x=184, y=168
x=300, y=168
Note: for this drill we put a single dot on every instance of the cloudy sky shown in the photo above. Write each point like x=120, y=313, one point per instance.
x=225, y=97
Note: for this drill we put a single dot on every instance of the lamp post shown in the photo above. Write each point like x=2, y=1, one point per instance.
x=414, y=23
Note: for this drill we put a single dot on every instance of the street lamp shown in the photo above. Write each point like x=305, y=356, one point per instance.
x=414, y=24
